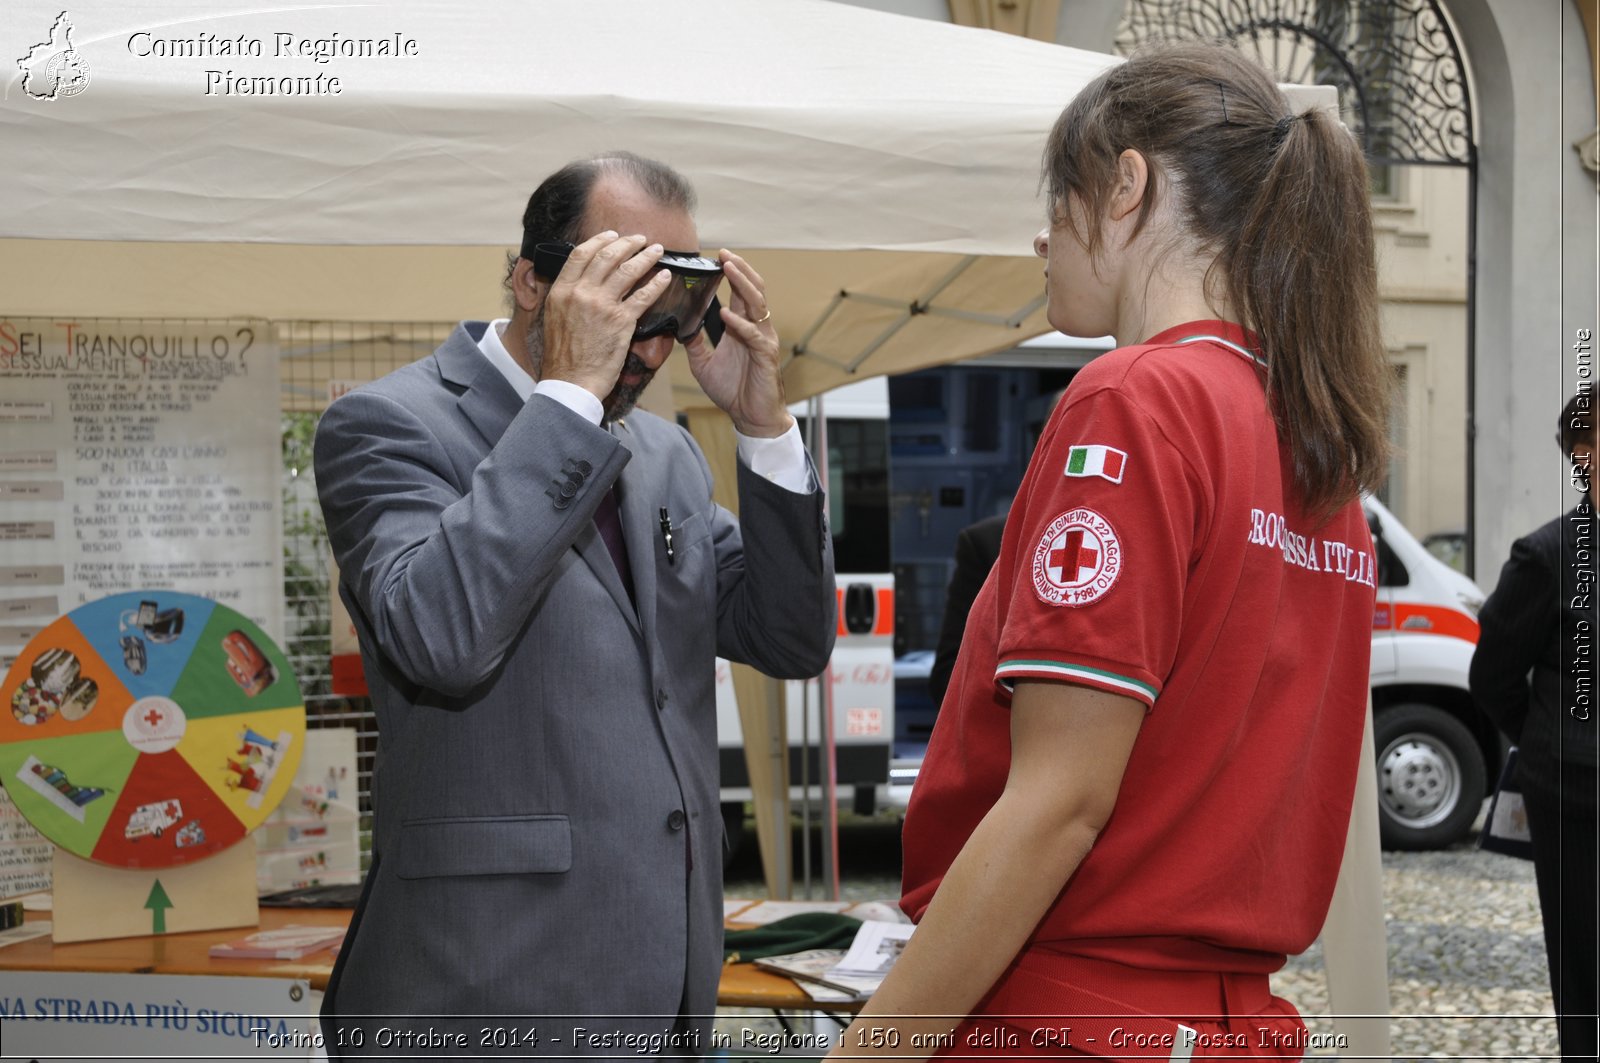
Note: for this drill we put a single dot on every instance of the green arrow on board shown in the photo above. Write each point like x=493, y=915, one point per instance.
x=158, y=903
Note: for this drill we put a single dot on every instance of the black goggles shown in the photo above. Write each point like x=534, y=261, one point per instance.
x=688, y=303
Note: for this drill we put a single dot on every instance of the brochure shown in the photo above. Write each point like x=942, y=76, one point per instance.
x=857, y=972
x=285, y=943
x=877, y=945
x=816, y=966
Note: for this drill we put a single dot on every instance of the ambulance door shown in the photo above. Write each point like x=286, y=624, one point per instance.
x=1391, y=574
x=862, y=675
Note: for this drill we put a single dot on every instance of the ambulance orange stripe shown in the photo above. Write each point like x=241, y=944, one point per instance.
x=883, y=623
x=1411, y=619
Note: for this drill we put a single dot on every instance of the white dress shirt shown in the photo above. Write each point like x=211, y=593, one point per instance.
x=780, y=459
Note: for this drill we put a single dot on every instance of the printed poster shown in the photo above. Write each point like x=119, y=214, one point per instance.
x=137, y=454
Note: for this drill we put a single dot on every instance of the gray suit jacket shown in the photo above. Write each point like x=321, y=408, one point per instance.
x=547, y=837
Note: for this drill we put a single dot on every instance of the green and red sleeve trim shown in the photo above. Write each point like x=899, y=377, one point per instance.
x=1009, y=671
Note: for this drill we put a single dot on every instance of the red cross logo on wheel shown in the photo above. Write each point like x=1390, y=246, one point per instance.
x=153, y=718
x=1078, y=558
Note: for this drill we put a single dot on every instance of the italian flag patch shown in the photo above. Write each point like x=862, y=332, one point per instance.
x=1096, y=460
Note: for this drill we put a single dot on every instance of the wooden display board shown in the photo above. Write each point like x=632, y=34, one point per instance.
x=94, y=902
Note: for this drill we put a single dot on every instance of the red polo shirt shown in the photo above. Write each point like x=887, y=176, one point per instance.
x=1157, y=549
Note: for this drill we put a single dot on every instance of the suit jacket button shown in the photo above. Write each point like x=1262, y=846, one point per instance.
x=661, y=698
x=675, y=820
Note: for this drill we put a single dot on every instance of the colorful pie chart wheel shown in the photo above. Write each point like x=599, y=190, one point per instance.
x=149, y=729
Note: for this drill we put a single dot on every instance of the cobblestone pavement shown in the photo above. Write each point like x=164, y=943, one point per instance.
x=1467, y=976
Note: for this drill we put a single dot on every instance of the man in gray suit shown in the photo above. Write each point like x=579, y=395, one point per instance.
x=541, y=583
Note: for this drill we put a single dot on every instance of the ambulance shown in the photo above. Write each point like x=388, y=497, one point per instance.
x=1438, y=756
x=153, y=818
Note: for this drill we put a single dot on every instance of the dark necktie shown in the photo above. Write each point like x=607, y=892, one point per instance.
x=609, y=523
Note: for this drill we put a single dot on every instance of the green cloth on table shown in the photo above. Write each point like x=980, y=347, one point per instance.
x=795, y=933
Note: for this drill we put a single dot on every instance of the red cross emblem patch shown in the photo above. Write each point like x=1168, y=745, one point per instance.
x=1077, y=560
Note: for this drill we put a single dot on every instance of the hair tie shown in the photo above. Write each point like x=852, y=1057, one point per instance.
x=1280, y=129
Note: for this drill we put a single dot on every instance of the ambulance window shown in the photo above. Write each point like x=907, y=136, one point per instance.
x=1391, y=570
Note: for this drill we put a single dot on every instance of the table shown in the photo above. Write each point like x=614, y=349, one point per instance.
x=743, y=985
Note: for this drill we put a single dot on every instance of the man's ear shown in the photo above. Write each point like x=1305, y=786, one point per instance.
x=527, y=290
x=1133, y=182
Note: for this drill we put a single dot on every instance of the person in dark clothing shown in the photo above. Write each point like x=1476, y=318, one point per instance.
x=1543, y=619
x=977, y=547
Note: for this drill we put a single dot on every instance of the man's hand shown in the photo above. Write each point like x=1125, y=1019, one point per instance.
x=590, y=314
x=741, y=375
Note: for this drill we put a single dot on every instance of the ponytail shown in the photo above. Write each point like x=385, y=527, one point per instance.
x=1303, y=274
x=1282, y=199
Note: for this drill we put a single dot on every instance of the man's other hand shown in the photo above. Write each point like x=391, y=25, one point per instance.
x=741, y=375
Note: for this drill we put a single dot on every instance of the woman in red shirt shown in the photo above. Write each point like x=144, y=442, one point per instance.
x=1135, y=800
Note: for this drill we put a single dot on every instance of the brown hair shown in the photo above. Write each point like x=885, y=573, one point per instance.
x=1282, y=201
x=555, y=210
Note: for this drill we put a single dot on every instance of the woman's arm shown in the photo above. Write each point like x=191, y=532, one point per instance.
x=1069, y=747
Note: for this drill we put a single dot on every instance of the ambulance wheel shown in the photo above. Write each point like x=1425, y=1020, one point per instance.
x=1431, y=777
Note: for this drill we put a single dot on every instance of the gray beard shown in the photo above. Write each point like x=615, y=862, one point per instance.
x=622, y=399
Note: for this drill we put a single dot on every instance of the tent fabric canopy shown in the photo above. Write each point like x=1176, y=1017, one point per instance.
x=842, y=149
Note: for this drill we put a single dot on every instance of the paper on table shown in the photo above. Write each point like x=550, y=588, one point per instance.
x=25, y=932
x=816, y=965
x=283, y=943
x=876, y=947
x=730, y=906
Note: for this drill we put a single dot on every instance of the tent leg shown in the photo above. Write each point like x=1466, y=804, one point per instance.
x=761, y=715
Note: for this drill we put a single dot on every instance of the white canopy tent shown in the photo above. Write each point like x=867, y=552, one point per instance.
x=880, y=170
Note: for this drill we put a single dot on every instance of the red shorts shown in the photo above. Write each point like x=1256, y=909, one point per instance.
x=1052, y=1006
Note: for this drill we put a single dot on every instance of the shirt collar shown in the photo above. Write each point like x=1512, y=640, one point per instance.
x=494, y=349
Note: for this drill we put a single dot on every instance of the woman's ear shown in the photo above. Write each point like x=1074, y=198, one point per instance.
x=1133, y=181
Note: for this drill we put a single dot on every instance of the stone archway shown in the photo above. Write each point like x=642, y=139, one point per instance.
x=1535, y=282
